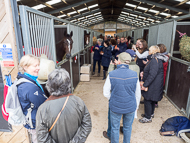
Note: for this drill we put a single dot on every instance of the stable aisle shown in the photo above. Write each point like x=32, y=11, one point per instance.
x=92, y=94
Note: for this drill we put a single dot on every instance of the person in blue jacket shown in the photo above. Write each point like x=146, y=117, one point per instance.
x=30, y=93
x=97, y=57
x=106, y=57
x=122, y=47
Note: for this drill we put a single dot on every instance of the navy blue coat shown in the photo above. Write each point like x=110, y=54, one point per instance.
x=106, y=57
x=122, y=48
x=30, y=93
x=97, y=55
x=153, y=78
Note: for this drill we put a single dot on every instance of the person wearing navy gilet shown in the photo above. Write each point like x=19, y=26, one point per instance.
x=123, y=84
x=30, y=92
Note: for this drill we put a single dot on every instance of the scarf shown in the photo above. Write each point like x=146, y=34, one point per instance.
x=34, y=78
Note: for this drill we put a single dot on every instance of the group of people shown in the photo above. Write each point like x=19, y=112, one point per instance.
x=134, y=72
x=50, y=123
x=106, y=49
x=64, y=117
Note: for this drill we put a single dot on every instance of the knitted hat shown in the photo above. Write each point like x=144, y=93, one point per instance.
x=124, y=57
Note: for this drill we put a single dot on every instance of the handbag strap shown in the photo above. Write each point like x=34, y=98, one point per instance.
x=59, y=114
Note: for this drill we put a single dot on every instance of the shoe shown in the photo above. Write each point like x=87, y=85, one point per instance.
x=98, y=74
x=121, y=129
x=143, y=115
x=145, y=120
x=142, y=102
x=93, y=73
x=105, y=135
x=156, y=105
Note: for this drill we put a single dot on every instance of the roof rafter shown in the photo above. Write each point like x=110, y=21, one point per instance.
x=69, y=6
x=165, y=6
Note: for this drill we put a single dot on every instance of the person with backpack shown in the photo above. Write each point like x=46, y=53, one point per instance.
x=30, y=93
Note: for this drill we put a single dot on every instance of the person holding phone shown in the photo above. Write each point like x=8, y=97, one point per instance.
x=141, y=51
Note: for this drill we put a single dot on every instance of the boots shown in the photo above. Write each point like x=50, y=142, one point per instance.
x=104, y=74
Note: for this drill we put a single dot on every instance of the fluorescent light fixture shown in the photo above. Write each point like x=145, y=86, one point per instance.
x=165, y=14
x=70, y=13
x=97, y=13
x=142, y=17
x=73, y=20
x=142, y=8
x=38, y=6
x=82, y=9
x=175, y=16
x=92, y=6
x=153, y=11
x=17, y=0
x=124, y=12
x=81, y=18
x=131, y=5
x=150, y=19
x=51, y=2
x=133, y=15
x=62, y=15
x=89, y=15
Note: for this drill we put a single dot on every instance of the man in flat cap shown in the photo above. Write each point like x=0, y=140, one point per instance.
x=124, y=97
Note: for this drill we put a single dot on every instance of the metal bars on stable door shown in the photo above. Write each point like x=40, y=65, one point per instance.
x=38, y=33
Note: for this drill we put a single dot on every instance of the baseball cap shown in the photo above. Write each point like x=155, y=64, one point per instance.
x=123, y=57
x=131, y=52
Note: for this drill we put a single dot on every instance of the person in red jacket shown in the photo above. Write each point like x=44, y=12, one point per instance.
x=163, y=51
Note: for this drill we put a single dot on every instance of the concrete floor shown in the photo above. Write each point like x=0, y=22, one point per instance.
x=92, y=94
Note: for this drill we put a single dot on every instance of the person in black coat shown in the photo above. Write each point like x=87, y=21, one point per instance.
x=152, y=84
x=106, y=57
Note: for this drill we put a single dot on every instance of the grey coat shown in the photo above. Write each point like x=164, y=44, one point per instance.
x=73, y=126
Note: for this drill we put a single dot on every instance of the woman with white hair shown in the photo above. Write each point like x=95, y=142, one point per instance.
x=97, y=57
x=63, y=117
x=152, y=84
x=30, y=94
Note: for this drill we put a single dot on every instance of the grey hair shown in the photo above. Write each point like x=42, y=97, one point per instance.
x=100, y=40
x=59, y=82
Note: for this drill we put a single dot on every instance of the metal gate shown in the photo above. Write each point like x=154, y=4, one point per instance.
x=38, y=32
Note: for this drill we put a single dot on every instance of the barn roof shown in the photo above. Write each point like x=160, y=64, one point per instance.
x=131, y=12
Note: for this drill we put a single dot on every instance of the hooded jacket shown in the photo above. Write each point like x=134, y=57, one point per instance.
x=30, y=93
x=73, y=126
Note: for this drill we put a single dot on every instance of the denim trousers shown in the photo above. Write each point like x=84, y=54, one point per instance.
x=94, y=65
x=149, y=107
x=127, y=126
x=109, y=125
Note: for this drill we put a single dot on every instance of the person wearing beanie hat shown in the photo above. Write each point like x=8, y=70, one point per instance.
x=124, y=98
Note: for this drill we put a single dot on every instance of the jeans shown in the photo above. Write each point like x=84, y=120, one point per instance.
x=109, y=125
x=127, y=126
x=94, y=65
x=149, y=107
